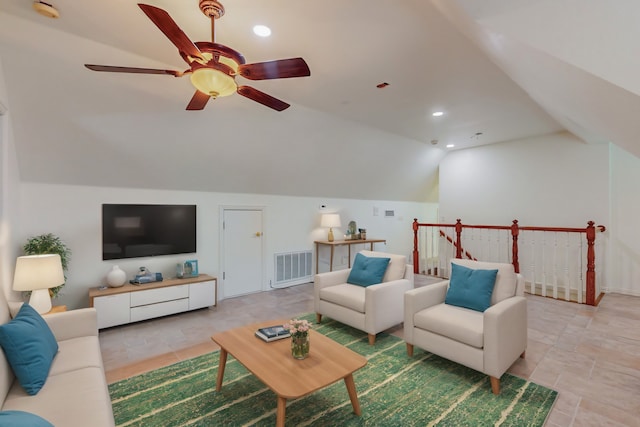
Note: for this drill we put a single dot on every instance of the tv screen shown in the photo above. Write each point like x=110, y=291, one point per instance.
x=132, y=231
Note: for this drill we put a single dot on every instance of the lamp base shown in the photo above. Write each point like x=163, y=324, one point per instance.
x=40, y=301
x=330, y=235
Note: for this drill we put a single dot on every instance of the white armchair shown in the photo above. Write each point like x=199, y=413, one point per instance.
x=371, y=309
x=489, y=341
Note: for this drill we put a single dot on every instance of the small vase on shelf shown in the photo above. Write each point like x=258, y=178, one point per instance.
x=116, y=277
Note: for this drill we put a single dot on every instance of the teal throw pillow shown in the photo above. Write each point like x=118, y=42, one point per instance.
x=367, y=271
x=470, y=288
x=30, y=347
x=21, y=418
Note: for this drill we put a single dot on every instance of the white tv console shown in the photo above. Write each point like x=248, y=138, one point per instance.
x=132, y=303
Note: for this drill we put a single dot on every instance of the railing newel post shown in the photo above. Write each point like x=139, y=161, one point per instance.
x=514, y=248
x=416, y=254
x=591, y=264
x=458, y=239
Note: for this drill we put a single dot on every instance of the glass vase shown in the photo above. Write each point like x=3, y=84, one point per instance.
x=300, y=345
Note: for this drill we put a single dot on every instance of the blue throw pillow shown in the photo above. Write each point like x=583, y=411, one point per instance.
x=367, y=271
x=30, y=347
x=470, y=288
x=21, y=418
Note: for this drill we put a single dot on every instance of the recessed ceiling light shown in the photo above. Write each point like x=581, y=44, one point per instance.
x=437, y=114
x=450, y=145
x=262, y=30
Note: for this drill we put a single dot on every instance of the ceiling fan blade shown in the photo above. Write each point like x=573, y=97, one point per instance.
x=170, y=29
x=199, y=101
x=279, y=69
x=262, y=98
x=112, y=69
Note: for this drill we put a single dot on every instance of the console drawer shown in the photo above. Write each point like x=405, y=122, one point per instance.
x=153, y=296
x=160, y=309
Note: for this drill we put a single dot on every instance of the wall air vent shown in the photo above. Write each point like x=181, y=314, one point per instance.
x=293, y=267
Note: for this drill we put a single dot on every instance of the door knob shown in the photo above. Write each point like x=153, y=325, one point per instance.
x=258, y=234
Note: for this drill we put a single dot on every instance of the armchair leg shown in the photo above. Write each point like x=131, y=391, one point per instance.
x=495, y=385
x=410, y=350
x=523, y=354
x=372, y=339
x=318, y=317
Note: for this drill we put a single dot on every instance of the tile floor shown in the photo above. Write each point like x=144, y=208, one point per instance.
x=590, y=355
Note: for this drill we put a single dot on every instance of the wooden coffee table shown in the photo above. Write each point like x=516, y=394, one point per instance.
x=287, y=377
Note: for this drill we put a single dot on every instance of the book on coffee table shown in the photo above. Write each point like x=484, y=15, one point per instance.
x=272, y=333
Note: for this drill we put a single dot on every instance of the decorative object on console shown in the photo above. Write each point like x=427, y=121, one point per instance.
x=191, y=268
x=299, y=330
x=363, y=233
x=330, y=220
x=38, y=273
x=116, y=277
x=179, y=270
x=145, y=276
x=351, y=231
x=49, y=244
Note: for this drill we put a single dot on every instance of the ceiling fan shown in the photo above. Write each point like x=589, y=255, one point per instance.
x=214, y=67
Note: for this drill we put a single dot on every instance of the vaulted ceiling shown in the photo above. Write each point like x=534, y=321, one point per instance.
x=498, y=69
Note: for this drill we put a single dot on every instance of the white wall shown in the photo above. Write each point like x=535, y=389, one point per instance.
x=291, y=223
x=624, y=231
x=9, y=194
x=555, y=180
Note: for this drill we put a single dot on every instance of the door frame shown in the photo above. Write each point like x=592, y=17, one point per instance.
x=221, y=260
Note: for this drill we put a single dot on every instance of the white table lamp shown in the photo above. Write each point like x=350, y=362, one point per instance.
x=38, y=273
x=330, y=220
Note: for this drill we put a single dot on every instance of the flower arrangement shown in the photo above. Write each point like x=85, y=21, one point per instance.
x=297, y=327
x=299, y=330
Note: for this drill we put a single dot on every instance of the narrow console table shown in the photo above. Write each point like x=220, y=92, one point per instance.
x=348, y=243
x=132, y=303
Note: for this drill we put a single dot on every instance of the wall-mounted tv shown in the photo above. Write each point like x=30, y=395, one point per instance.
x=133, y=231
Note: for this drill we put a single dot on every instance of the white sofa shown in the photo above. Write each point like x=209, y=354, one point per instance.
x=75, y=392
x=371, y=309
x=488, y=341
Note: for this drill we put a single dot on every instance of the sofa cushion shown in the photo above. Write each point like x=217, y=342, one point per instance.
x=21, y=418
x=367, y=271
x=460, y=324
x=350, y=296
x=74, y=399
x=30, y=347
x=77, y=353
x=506, y=279
x=397, y=263
x=470, y=288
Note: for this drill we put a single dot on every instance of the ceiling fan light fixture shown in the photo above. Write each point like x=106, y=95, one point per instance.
x=46, y=9
x=213, y=82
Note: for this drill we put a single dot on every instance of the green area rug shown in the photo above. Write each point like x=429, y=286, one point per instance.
x=394, y=390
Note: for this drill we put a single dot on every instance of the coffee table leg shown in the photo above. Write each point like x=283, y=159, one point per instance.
x=282, y=406
x=221, y=366
x=353, y=395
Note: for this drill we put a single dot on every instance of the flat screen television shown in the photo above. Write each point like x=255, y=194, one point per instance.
x=133, y=231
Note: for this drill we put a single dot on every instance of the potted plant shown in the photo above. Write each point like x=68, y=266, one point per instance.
x=49, y=244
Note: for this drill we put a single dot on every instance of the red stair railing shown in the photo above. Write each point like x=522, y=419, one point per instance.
x=515, y=228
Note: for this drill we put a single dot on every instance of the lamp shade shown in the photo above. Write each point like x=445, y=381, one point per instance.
x=38, y=272
x=330, y=220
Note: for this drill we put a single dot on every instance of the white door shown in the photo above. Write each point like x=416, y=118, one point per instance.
x=242, y=251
